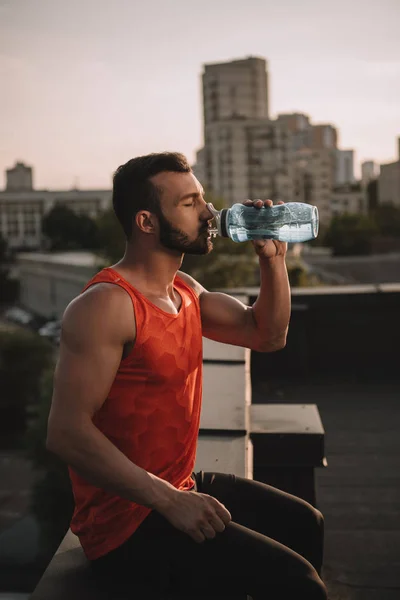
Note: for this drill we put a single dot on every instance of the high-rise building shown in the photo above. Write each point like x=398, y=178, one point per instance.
x=313, y=179
x=295, y=121
x=369, y=171
x=389, y=181
x=306, y=135
x=235, y=101
x=299, y=128
x=323, y=136
x=199, y=168
x=344, y=173
x=248, y=159
x=235, y=90
x=247, y=155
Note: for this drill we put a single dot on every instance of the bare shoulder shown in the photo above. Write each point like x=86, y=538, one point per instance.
x=191, y=282
x=103, y=310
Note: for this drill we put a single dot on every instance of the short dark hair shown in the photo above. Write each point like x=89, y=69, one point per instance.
x=133, y=190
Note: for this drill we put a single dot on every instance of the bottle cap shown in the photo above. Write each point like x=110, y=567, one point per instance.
x=220, y=220
x=224, y=214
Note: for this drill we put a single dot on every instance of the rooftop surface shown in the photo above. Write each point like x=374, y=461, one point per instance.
x=359, y=491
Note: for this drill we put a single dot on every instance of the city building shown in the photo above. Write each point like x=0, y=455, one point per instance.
x=389, y=182
x=199, y=168
x=299, y=127
x=22, y=208
x=295, y=121
x=344, y=172
x=323, y=136
x=19, y=178
x=248, y=159
x=313, y=178
x=245, y=155
x=306, y=135
x=235, y=90
x=369, y=171
x=349, y=199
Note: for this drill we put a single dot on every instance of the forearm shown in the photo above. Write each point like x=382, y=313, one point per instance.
x=91, y=454
x=271, y=311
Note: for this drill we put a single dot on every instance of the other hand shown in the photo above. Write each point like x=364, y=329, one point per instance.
x=199, y=515
x=267, y=248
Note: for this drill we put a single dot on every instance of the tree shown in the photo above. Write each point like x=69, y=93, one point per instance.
x=59, y=228
x=86, y=233
x=52, y=500
x=350, y=234
x=387, y=219
x=9, y=288
x=23, y=357
x=372, y=195
x=111, y=236
x=3, y=251
x=66, y=230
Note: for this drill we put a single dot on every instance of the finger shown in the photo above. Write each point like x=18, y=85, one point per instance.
x=219, y=508
x=197, y=536
x=224, y=515
x=258, y=203
x=217, y=524
x=280, y=202
x=208, y=531
x=248, y=202
x=268, y=203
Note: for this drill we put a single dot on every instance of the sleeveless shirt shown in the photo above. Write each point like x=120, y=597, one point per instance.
x=152, y=414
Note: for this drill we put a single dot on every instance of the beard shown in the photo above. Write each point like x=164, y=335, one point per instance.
x=176, y=239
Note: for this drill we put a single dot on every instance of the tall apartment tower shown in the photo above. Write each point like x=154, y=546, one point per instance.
x=344, y=174
x=389, y=181
x=235, y=90
x=369, y=171
x=247, y=158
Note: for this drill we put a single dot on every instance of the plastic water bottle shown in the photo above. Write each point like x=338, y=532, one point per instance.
x=291, y=222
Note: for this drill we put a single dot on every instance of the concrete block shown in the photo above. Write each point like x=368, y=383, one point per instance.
x=224, y=453
x=226, y=397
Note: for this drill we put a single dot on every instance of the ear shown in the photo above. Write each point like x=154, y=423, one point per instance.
x=145, y=221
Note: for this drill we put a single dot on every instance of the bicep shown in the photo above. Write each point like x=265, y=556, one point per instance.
x=224, y=318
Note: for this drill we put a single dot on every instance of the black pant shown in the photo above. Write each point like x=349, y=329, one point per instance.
x=272, y=549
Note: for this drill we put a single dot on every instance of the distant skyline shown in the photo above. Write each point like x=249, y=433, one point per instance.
x=88, y=84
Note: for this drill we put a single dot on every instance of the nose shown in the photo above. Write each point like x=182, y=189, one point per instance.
x=210, y=213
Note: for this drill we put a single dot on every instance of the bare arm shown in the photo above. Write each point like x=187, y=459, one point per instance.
x=95, y=328
x=271, y=310
x=262, y=327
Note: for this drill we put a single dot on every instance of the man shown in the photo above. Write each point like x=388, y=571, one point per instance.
x=126, y=408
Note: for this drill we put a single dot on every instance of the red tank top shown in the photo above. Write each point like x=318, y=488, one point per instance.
x=152, y=414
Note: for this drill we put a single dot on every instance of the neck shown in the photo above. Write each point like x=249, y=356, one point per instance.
x=154, y=268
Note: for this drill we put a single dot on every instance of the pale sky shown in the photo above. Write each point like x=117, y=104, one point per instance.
x=87, y=84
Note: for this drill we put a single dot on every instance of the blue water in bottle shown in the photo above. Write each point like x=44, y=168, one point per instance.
x=291, y=222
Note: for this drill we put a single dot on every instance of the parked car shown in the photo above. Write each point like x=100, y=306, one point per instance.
x=51, y=330
x=19, y=315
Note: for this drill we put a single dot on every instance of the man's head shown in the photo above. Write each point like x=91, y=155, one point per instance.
x=158, y=195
